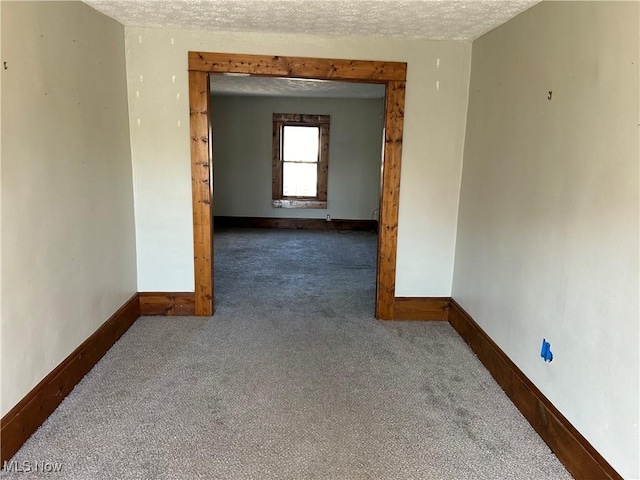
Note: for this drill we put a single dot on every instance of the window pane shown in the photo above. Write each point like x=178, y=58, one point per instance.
x=299, y=179
x=300, y=144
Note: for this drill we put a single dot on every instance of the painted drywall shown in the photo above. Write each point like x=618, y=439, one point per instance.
x=435, y=115
x=547, y=242
x=68, y=240
x=242, y=153
x=0, y=209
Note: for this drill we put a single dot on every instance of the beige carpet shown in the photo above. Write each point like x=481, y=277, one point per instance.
x=292, y=378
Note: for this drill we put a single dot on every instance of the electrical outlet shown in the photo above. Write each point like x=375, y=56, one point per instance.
x=328, y=217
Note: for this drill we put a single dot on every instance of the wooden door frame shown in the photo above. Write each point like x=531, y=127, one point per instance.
x=390, y=74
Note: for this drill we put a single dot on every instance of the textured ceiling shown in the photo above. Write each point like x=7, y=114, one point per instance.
x=428, y=19
x=293, y=87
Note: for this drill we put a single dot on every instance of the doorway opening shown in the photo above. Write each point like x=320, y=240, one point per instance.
x=391, y=74
x=296, y=193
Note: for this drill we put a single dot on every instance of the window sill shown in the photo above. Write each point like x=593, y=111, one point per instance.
x=298, y=203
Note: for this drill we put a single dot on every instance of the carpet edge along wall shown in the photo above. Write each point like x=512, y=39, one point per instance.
x=295, y=223
x=571, y=448
x=23, y=420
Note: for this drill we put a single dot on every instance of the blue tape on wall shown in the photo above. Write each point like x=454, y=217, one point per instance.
x=545, y=352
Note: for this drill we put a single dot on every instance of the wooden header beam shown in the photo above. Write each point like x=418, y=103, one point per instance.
x=299, y=67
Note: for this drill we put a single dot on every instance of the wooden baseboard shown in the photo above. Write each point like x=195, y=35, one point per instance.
x=25, y=418
x=295, y=223
x=421, y=308
x=167, y=303
x=572, y=449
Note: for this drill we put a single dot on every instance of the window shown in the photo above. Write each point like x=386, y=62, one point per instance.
x=300, y=160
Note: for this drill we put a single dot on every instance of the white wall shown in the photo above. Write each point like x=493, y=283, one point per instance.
x=432, y=148
x=0, y=211
x=548, y=239
x=68, y=246
x=242, y=153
